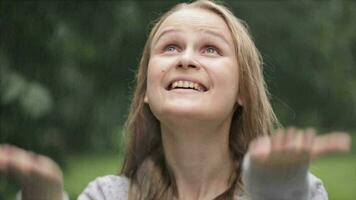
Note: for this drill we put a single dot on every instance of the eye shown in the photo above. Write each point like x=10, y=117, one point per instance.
x=211, y=50
x=171, y=48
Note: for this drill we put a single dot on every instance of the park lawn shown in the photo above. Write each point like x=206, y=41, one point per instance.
x=83, y=168
x=338, y=173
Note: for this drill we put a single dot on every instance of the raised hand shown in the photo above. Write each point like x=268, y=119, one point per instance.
x=291, y=147
x=39, y=176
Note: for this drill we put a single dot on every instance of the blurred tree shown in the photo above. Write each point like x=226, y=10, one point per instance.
x=67, y=67
x=309, y=53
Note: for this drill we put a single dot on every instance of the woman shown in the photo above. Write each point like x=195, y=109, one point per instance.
x=200, y=123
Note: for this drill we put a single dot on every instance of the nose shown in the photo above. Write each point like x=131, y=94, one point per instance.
x=187, y=60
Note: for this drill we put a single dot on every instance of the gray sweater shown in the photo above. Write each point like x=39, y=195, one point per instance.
x=259, y=184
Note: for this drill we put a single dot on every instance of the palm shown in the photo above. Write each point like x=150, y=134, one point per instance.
x=292, y=147
x=39, y=176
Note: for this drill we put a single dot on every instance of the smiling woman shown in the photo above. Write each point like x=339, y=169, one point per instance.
x=201, y=52
x=200, y=122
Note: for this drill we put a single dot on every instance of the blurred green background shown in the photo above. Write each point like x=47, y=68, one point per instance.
x=67, y=71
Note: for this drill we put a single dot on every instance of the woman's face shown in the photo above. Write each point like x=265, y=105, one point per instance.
x=193, y=70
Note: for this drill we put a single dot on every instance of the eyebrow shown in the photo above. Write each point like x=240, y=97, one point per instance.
x=166, y=32
x=215, y=33
x=211, y=32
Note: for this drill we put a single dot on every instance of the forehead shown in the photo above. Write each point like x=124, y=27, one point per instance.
x=195, y=19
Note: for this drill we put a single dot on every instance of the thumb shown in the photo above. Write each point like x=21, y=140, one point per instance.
x=336, y=142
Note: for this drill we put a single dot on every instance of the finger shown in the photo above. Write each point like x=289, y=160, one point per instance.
x=278, y=140
x=7, y=152
x=26, y=161
x=46, y=167
x=3, y=158
x=331, y=143
x=20, y=164
x=309, y=137
x=298, y=142
x=291, y=141
x=260, y=149
x=290, y=138
x=302, y=149
x=295, y=150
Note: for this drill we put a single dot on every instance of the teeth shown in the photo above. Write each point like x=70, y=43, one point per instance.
x=175, y=84
x=191, y=85
x=195, y=86
x=179, y=84
x=187, y=84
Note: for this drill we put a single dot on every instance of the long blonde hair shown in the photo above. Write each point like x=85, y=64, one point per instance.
x=144, y=162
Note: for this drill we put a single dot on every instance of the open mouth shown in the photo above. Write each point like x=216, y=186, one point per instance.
x=189, y=85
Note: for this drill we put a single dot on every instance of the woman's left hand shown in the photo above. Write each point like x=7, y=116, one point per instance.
x=294, y=147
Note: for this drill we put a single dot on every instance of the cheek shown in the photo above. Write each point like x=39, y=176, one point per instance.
x=225, y=78
x=152, y=82
x=225, y=74
x=155, y=75
x=153, y=71
x=158, y=66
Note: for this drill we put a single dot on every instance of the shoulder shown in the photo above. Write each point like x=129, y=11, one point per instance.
x=107, y=187
x=316, y=187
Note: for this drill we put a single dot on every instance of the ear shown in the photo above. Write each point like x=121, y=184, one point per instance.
x=239, y=96
x=239, y=100
x=145, y=99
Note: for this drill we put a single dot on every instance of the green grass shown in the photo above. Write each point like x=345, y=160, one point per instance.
x=81, y=169
x=338, y=174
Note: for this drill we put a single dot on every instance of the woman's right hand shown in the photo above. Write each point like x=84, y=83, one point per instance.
x=39, y=176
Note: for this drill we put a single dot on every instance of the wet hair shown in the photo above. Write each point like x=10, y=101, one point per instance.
x=144, y=162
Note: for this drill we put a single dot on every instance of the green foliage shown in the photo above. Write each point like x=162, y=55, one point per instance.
x=309, y=52
x=67, y=68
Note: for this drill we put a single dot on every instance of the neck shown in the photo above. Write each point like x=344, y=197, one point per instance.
x=199, y=157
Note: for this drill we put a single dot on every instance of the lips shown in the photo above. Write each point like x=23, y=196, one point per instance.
x=186, y=84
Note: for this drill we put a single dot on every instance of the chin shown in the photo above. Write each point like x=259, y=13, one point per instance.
x=179, y=114
x=183, y=111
